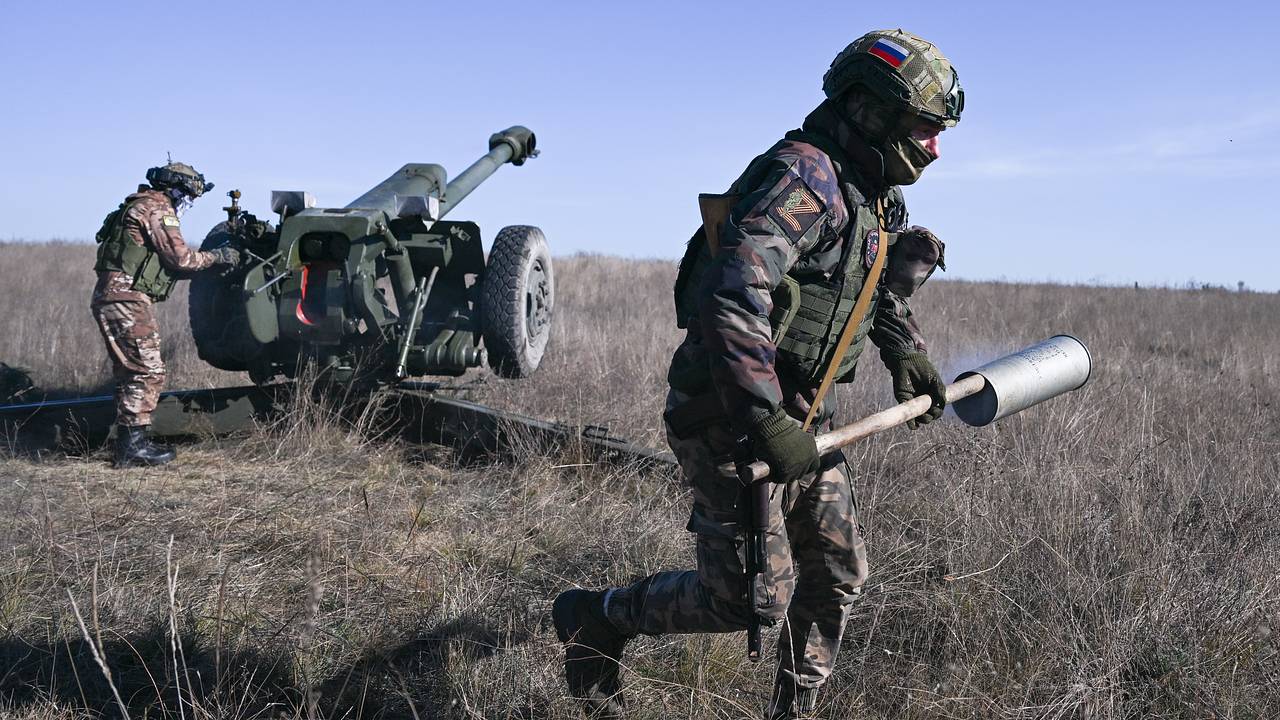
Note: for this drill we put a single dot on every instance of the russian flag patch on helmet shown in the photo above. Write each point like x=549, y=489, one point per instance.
x=889, y=51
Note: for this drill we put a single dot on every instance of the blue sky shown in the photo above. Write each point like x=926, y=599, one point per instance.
x=1102, y=142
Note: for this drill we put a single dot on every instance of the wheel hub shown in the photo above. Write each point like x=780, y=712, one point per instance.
x=537, y=301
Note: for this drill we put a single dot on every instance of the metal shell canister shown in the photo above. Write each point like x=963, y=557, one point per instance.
x=1030, y=376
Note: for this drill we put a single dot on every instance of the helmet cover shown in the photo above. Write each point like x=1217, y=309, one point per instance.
x=179, y=176
x=902, y=69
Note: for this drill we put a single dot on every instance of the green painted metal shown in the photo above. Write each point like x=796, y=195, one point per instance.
x=414, y=179
x=335, y=287
x=515, y=145
x=82, y=424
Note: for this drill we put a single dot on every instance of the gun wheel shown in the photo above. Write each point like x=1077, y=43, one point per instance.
x=216, y=312
x=517, y=301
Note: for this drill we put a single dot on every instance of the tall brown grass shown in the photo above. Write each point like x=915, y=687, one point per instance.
x=1112, y=554
x=45, y=289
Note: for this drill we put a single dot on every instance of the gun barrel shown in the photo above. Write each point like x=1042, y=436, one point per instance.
x=515, y=145
x=412, y=179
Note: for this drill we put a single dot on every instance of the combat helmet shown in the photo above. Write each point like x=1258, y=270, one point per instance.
x=900, y=69
x=179, y=176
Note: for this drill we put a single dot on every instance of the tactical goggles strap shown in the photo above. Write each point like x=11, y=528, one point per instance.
x=955, y=97
x=855, y=318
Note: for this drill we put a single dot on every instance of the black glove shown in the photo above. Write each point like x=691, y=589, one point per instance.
x=790, y=452
x=914, y=375
x=225, y=255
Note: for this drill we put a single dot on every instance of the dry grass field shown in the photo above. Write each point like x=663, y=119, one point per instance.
x=1112, y=554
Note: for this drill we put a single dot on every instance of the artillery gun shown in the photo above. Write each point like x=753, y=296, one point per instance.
x=381, y=289
x=371, y=293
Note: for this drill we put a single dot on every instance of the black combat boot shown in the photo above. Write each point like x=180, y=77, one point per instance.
x=592, y=650
x=789, y=702
x=133, y=448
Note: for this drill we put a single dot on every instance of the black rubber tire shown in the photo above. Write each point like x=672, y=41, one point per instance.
x=216, y=312
x=517, y=301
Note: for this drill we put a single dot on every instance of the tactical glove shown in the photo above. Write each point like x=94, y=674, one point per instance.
x=225, y=255
x=790, y=452
x=914, y=375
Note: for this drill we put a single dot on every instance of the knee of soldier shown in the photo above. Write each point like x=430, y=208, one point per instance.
x=775, y=588
x=773, y=612
x=772, y=598
x=735, y=608
x=724, y=582
x=155, y=366
x=838, y=588
x=850, y=568
x=836, y=574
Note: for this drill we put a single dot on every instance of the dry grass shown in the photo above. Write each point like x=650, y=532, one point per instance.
x=1120, y=543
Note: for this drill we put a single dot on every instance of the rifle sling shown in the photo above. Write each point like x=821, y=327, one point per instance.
x=855, y=318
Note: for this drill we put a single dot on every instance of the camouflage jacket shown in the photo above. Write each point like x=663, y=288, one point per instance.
x=150, y=221
x=765, y=238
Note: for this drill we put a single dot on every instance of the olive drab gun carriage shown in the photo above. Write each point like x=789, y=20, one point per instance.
x=370, y=294
x=381, y=289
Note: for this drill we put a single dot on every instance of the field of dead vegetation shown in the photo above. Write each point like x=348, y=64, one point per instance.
x=1112, y=554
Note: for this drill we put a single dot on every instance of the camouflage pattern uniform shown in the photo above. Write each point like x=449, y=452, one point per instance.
x=816, y=558
x=126, y=317
x=766, y=295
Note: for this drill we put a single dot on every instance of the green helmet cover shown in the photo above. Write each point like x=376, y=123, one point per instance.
x=180, y=176
x=901, y=69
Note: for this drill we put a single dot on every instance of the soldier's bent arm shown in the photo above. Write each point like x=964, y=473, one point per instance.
x=893, y=328
x=793, y=205
x=158, y=226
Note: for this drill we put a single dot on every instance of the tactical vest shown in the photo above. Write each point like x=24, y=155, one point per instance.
x=118, y=252
x=809, y=309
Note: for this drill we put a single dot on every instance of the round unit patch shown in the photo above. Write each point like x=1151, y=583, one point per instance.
x=871, y=248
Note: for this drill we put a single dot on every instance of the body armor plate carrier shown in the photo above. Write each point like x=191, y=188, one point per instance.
x=809, y=309
x=118, y=252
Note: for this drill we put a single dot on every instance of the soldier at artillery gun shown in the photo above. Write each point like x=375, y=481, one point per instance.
x=380, y=289
x=141, y=256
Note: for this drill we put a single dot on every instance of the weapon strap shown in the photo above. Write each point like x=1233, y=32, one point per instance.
x=855, y=318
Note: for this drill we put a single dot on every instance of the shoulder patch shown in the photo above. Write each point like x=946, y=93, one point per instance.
x=795, y=210
x=169, y=221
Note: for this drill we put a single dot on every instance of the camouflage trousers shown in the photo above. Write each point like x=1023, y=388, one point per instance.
x=816, y=562
x=132, y=335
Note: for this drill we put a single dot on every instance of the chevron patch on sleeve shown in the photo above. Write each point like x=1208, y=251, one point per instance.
x=795, y=210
